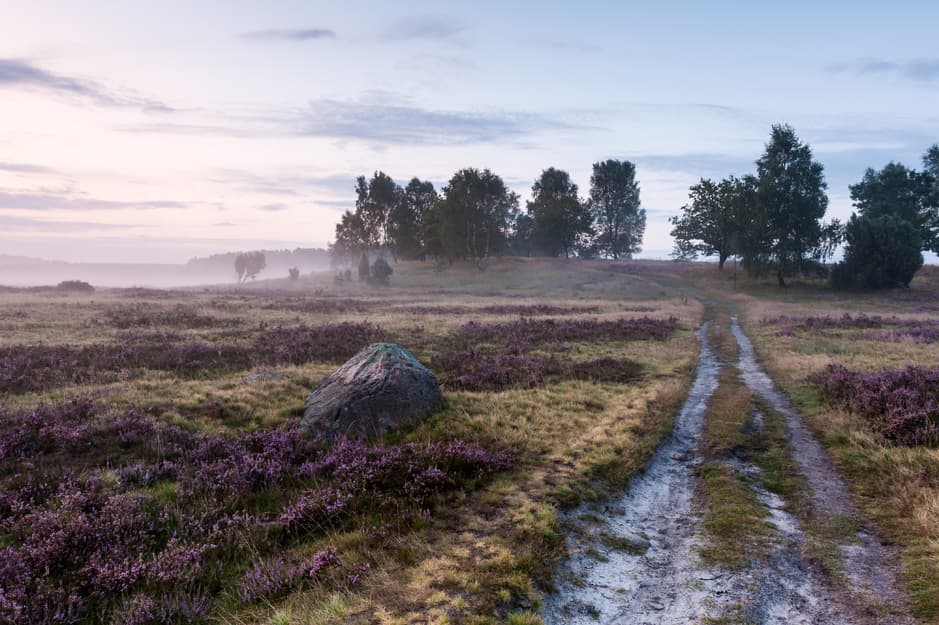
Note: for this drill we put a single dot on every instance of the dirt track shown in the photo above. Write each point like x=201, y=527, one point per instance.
x=634, y=560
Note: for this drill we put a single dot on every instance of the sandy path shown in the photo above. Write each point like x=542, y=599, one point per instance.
x=658, y=578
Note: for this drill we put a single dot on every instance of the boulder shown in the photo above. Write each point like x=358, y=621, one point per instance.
x=380, y=388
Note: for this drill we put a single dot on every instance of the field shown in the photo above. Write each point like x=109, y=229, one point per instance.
x=154, y=471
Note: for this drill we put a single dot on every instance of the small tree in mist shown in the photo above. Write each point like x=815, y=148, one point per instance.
x=294, y=274
x=249, y=265
x=364, y=269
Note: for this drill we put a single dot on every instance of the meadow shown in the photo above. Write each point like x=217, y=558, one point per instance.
x=154, y=471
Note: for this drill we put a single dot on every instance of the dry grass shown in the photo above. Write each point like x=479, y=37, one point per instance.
x=897, y=487
x=483, y=555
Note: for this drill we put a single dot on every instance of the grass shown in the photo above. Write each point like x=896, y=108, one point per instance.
x=896, y=487
x=736, y=530
x=486, y=551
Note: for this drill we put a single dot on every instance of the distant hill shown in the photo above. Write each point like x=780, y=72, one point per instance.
x=215, y=269
x=306, y=259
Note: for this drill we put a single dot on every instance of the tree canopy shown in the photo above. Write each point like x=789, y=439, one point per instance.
x=476, y=213
x=902, y=193
x=559, y=217
x=619, y=219
x=709, y=225
x=882, y=251
x=790, y=196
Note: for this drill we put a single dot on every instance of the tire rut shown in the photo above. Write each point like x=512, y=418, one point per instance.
x=634, y=561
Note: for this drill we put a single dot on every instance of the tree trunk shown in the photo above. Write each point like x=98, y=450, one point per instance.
x=722, y=258
x=779, y=277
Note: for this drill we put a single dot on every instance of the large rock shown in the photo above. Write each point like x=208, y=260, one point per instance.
x=380, y=388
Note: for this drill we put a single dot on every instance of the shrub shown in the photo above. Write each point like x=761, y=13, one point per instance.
x=90, y=534
x=364, y=269
x=76, y=286
x=900, y=404
x=294, y=274
x=881, y=253
x=381, y=271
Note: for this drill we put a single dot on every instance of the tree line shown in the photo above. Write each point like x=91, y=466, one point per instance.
x=476, y=216
x=773, y=219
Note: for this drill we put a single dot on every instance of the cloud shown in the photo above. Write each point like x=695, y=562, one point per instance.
x=289, y=34
x=697, y=163
x=385, y=123
x=560, y=45
x=50, y=201
x=273, y=208
x=429, y=28
x=918, y=70
x=28, y=224
x=22, y=73
x=25, y=168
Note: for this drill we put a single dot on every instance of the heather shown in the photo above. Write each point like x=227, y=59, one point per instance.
x=117, y=517
x=540, y=331
x=902, y=405
x=896, y=328
x=481, y=371
x=530, y=310
x=26, y=368
x=144, y=315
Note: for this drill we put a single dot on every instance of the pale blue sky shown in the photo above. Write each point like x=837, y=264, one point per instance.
x=155, y=131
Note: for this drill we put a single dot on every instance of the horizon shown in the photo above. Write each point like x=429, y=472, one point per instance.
x=135, y=133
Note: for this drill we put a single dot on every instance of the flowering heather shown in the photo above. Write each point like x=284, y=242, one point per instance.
x=333, y=342
x=847, y=322
x=476, y=371
x=323, y=305
x=530, y=310
x=537, y=331
x=900, y=404
x=26, y=368
x=117, y=517
x=146, y=315
x=607, y=369
x=918, y=334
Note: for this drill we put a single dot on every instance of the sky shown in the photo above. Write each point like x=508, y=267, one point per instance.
x=141, y=131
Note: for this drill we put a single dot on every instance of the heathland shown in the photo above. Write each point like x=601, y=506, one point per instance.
x=154, y=471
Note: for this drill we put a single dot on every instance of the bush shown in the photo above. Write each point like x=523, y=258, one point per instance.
x=881, y=253
x=364, y=270
x=381, y=271
x=902, y=405
x=294, y=274
x=77, y=286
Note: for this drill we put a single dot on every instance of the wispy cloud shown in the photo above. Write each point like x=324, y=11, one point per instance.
x=29, y=224
x=23, y=73
x=432, y=28
x=273, y=207
x=26, y=168
x=919, y=70
x=389, y=123
x=289, y=34
x=49, y=201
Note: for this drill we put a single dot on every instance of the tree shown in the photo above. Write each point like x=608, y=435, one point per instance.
x=902, y=193
x=931, y=162
x=364, y=269
x=405, y=231
x=619, y=221
x=381, y=271
x=294, y=274
x=791, y=195
x=475, y=214
x=351, y=238
x=708, y=225
x=882, y=252
x=249, y=265
x=520, y=241
x=558, y=216
x=375, y=199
